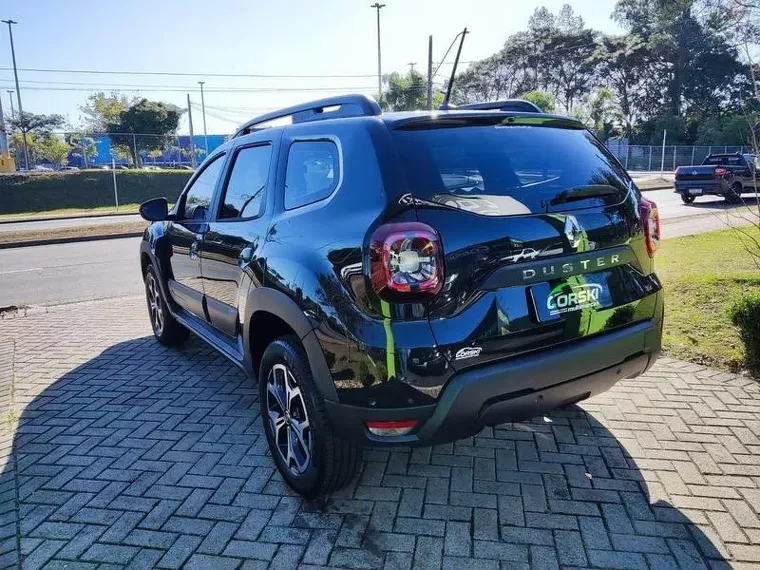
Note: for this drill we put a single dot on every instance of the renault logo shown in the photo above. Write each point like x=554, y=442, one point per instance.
x=573, y=232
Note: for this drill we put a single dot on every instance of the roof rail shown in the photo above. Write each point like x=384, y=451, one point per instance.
x=506, y=105
x=346, y=106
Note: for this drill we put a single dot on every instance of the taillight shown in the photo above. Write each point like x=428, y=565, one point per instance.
x=721, y=172
x=650, y=219
x=406, y=261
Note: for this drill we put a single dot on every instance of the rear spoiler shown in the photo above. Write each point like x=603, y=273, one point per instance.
x=520, y=105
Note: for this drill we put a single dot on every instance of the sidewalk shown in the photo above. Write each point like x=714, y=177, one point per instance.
x=127, y=453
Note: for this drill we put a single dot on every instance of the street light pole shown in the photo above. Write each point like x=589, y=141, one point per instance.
x=203, y=111
x=18, y=92
x=377, y=5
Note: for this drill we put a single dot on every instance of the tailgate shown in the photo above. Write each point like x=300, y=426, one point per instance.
x=541, y=233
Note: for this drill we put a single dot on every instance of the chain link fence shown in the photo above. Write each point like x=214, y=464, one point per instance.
x=140, y=150
x=67, y=150
x=645, y=158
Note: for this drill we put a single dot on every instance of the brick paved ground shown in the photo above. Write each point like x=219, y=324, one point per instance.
x=128, y=454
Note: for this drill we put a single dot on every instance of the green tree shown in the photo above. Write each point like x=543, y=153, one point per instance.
x=155, y=118
x=545, y=101
x=624, y=63
x=54, y=149
x=38, y=124
x=693, y=65
x=83, y=146
x=38, y=128
x=405, y=92
x=602, y=112
x=102, y=110
x=553, y=55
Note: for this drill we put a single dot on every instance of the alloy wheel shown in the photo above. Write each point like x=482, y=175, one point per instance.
x=288, y=418
x=155, y=307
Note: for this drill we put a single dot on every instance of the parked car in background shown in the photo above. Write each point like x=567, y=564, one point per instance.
x=407, y=278
x=727, y=175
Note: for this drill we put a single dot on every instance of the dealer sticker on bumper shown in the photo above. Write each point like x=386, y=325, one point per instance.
x=568, y=297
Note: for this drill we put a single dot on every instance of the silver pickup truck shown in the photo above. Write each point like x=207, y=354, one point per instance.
x=727, y=175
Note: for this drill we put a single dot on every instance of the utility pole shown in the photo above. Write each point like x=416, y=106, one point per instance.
x=430, y=75
x=3, y=135
x=411, y=66
x=18, y=92
x=379, y=64
x=192, y=142
x=10, y=96
x=203, y=111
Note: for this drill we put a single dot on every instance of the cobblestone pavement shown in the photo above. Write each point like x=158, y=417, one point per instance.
x=128, y=454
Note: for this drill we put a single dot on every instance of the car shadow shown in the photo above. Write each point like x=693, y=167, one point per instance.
x=718, y=202
x=142, y=444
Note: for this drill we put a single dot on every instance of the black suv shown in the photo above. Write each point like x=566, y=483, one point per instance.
x=407, y=278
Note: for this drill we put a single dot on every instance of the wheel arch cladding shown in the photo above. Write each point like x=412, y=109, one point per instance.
x=270, y=314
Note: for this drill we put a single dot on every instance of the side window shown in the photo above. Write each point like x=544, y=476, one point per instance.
x=244, y=195
x=198, y=197
x=312, y=173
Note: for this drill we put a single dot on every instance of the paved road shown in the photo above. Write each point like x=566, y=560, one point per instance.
x=131, y=455
x=93, y=270
x=62, y=273
x=42, y=225
x=670, y=205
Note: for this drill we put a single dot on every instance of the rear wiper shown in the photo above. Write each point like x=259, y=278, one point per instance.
x=583, y=192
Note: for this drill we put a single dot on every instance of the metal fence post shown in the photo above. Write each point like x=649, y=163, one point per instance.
x=134, y=147
x=675, y=150
x=692, y=154
x=650, y=159
x=115, y=191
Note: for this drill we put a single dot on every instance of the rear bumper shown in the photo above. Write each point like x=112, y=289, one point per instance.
x=707, y=187
x=515, y=389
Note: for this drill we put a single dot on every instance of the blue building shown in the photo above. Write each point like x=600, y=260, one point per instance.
x=177, y=151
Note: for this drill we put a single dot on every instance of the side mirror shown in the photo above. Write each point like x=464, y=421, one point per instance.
x=155, y=210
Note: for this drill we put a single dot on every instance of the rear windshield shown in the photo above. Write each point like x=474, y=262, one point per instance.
x=510, y=170
x=725, y=160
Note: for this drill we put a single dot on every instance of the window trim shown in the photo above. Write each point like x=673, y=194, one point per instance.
x=225, y=182
x=339, y=183
x=180, y=206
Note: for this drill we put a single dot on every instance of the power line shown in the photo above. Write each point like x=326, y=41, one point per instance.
x=196, y=90
x=185, y=74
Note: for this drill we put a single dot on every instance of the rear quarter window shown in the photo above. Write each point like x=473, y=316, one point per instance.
x=313, y=172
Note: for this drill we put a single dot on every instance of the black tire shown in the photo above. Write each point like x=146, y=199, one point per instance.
x=734, y=195
x=165, y=327
x=321, y=462
x=687, y=198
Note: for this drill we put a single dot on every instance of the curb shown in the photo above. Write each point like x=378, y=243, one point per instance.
x=73, y=239
x=71, y=217
x=656, y=188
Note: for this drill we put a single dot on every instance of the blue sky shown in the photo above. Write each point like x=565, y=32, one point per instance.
x=290, y=37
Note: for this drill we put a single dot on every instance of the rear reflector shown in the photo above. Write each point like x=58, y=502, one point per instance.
x=401, y=427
